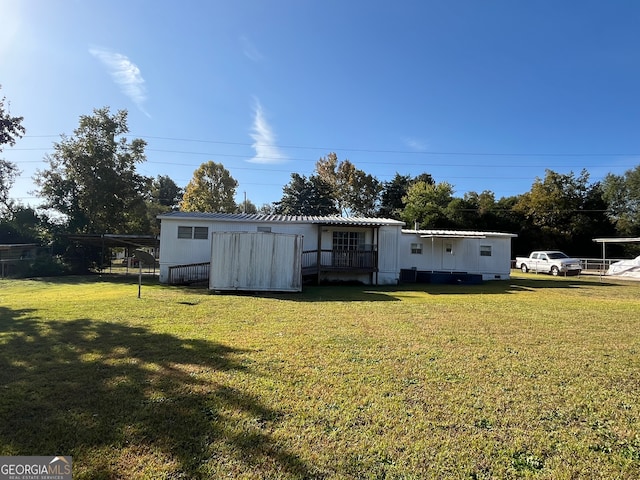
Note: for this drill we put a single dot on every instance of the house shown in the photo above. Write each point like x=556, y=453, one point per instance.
x=483, y=254
x=333, y=248
x=373, y=251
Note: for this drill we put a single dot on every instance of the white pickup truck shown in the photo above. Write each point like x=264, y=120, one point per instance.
x=552, y=262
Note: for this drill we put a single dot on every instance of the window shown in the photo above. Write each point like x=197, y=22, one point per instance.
x=185, y=232
x=416, y=248
x=348, y=240
x=448, y=248
x=201, y=233
x=485, y=250
x=264, y=229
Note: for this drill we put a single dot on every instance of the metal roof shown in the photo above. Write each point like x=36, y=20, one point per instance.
x=258, y=217
x=11, y=246
x=617, y=240
x=458, y=234
x=114, y=240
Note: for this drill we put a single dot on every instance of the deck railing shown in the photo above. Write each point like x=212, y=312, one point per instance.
x=344, y=260
x=187, y=274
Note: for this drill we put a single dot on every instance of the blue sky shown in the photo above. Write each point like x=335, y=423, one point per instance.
x=484, y=95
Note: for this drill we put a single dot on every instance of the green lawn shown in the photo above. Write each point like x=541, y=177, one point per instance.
x=537, y=377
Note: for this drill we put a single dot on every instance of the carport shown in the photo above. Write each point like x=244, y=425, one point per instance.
x=108, y=241
x=606, y=241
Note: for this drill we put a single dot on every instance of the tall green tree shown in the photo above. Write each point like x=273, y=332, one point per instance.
x=164, y=196
x=426, y=204
x=92, y=179
x=393, y=191
x=306, y=196
x=355, y=192
x=165, y=192
x=247, y=206
x=22, y=225
x=11, y=129
x=622, y=193
x=212, y=189
x=564, y=211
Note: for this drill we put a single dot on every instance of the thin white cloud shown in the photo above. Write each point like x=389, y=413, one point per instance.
x=250, y=51
x=264, y=140
x=415, y=144
x=125, y=73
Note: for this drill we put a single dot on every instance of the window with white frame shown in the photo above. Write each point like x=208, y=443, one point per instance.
x=201, y=233
x=485, y=250
x=264, y=229
x=348, y=240
x=185, y=232
x=198, y=233
x=416, y=248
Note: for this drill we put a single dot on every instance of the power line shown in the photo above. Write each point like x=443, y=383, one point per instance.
x=373, y=150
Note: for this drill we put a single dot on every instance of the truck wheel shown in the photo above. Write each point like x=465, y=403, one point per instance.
x=524, y=268
x=555, y=271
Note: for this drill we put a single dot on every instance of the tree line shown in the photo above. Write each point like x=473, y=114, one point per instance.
x=91, y=185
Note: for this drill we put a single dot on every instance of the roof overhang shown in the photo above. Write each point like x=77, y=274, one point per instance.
x=617, y=240
x=458, y=234
x=451, y=235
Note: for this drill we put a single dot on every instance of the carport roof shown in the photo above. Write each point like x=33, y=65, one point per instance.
x=113, y=240
x=617, y=240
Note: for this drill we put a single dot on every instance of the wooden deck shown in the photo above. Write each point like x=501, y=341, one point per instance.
x=339, y=261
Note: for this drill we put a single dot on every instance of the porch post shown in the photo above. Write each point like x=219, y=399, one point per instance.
x=319, y=251
x=376, y=240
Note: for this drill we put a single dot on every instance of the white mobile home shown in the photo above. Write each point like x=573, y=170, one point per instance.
x=334, y=248
x=486, y=254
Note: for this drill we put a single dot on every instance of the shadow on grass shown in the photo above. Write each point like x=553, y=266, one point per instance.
x=93, y=390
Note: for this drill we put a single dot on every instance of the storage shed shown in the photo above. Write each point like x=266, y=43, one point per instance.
x=256, y=261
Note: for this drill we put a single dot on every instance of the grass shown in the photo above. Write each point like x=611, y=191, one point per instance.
x=537, y=377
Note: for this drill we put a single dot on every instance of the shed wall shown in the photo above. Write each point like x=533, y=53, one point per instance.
x=254, y=261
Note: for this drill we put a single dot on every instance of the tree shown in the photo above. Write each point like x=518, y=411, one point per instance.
x=622, y=194
x=247, y=206
x=165, y=192
x=8, y=173
x=355, y=192
x=212, y=189
x=11, y=129
x=426, y=204
x=564, y=211
x=391, y=204
x=306, y=196
x=266, y=209
x=164, y=196
x=21, y=225
x=92, y=179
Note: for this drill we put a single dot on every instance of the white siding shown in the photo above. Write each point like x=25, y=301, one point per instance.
x=181, y=251
x=464, y=257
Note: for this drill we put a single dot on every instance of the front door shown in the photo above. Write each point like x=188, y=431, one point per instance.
x=448, y=256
